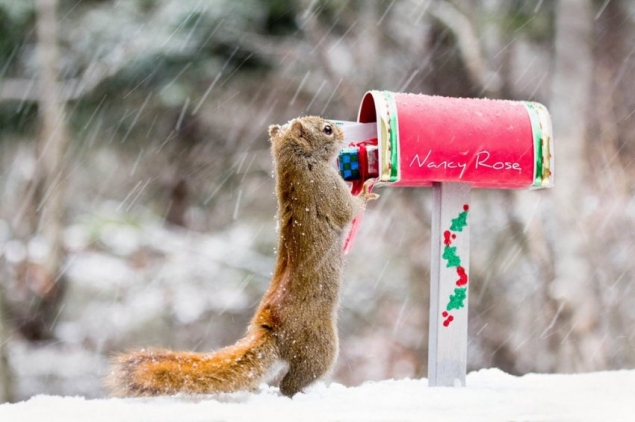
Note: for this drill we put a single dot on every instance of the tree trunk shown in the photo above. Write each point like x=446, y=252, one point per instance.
x=6, y=384
x=42, y=280
x=576, y=342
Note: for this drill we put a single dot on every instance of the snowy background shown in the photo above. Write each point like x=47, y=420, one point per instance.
x=137, y=208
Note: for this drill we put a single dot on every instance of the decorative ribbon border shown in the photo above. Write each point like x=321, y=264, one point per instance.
x=543, y=149
x=393, y=135
x=388, y=135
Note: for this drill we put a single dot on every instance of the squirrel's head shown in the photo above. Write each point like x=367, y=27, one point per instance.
x=309, y=136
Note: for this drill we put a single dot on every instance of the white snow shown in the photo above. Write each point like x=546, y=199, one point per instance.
x=490, y=395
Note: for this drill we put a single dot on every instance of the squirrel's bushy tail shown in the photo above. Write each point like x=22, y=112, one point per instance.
x=242, y=366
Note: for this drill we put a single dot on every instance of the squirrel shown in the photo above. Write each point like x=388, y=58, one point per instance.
x=295, y=322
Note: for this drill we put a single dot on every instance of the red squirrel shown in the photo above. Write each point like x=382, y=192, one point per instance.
x=296, y=321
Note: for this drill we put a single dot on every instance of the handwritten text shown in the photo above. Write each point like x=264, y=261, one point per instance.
x=482, y=159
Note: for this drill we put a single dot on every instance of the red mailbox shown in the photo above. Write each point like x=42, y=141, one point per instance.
x=451, y=145
x=421, y=139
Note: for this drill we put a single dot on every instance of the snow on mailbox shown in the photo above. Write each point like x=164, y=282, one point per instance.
x=451, y=145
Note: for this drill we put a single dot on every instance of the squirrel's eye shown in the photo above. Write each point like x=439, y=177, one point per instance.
x=328, y=129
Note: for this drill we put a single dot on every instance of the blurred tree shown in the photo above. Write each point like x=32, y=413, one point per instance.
x=188, y=135
x=459, y=50
x=610, y=156
x=6, y=377
x=576, y=344
x=43, y=282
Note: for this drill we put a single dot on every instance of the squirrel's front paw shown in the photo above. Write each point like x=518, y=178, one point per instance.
x=369, y=196
x=366, y=194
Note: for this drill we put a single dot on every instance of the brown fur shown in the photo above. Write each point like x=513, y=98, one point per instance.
x=296, y=319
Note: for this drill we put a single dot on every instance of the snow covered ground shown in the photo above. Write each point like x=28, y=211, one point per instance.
x=491, y=395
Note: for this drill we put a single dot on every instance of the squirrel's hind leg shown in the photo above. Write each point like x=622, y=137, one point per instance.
x=304, y=371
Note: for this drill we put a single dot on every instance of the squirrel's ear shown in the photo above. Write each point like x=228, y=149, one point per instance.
x=297, y=128
x=273, y=130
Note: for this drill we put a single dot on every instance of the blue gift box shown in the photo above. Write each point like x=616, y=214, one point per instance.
x=348, y=163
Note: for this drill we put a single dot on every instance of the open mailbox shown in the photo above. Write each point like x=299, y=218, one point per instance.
x=451, y=145
x=416, y=140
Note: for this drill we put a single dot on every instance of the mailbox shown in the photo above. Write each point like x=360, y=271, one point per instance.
x=415, y=140
x=451, y=145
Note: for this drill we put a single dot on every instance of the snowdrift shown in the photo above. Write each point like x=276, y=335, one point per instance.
x=491, y=395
